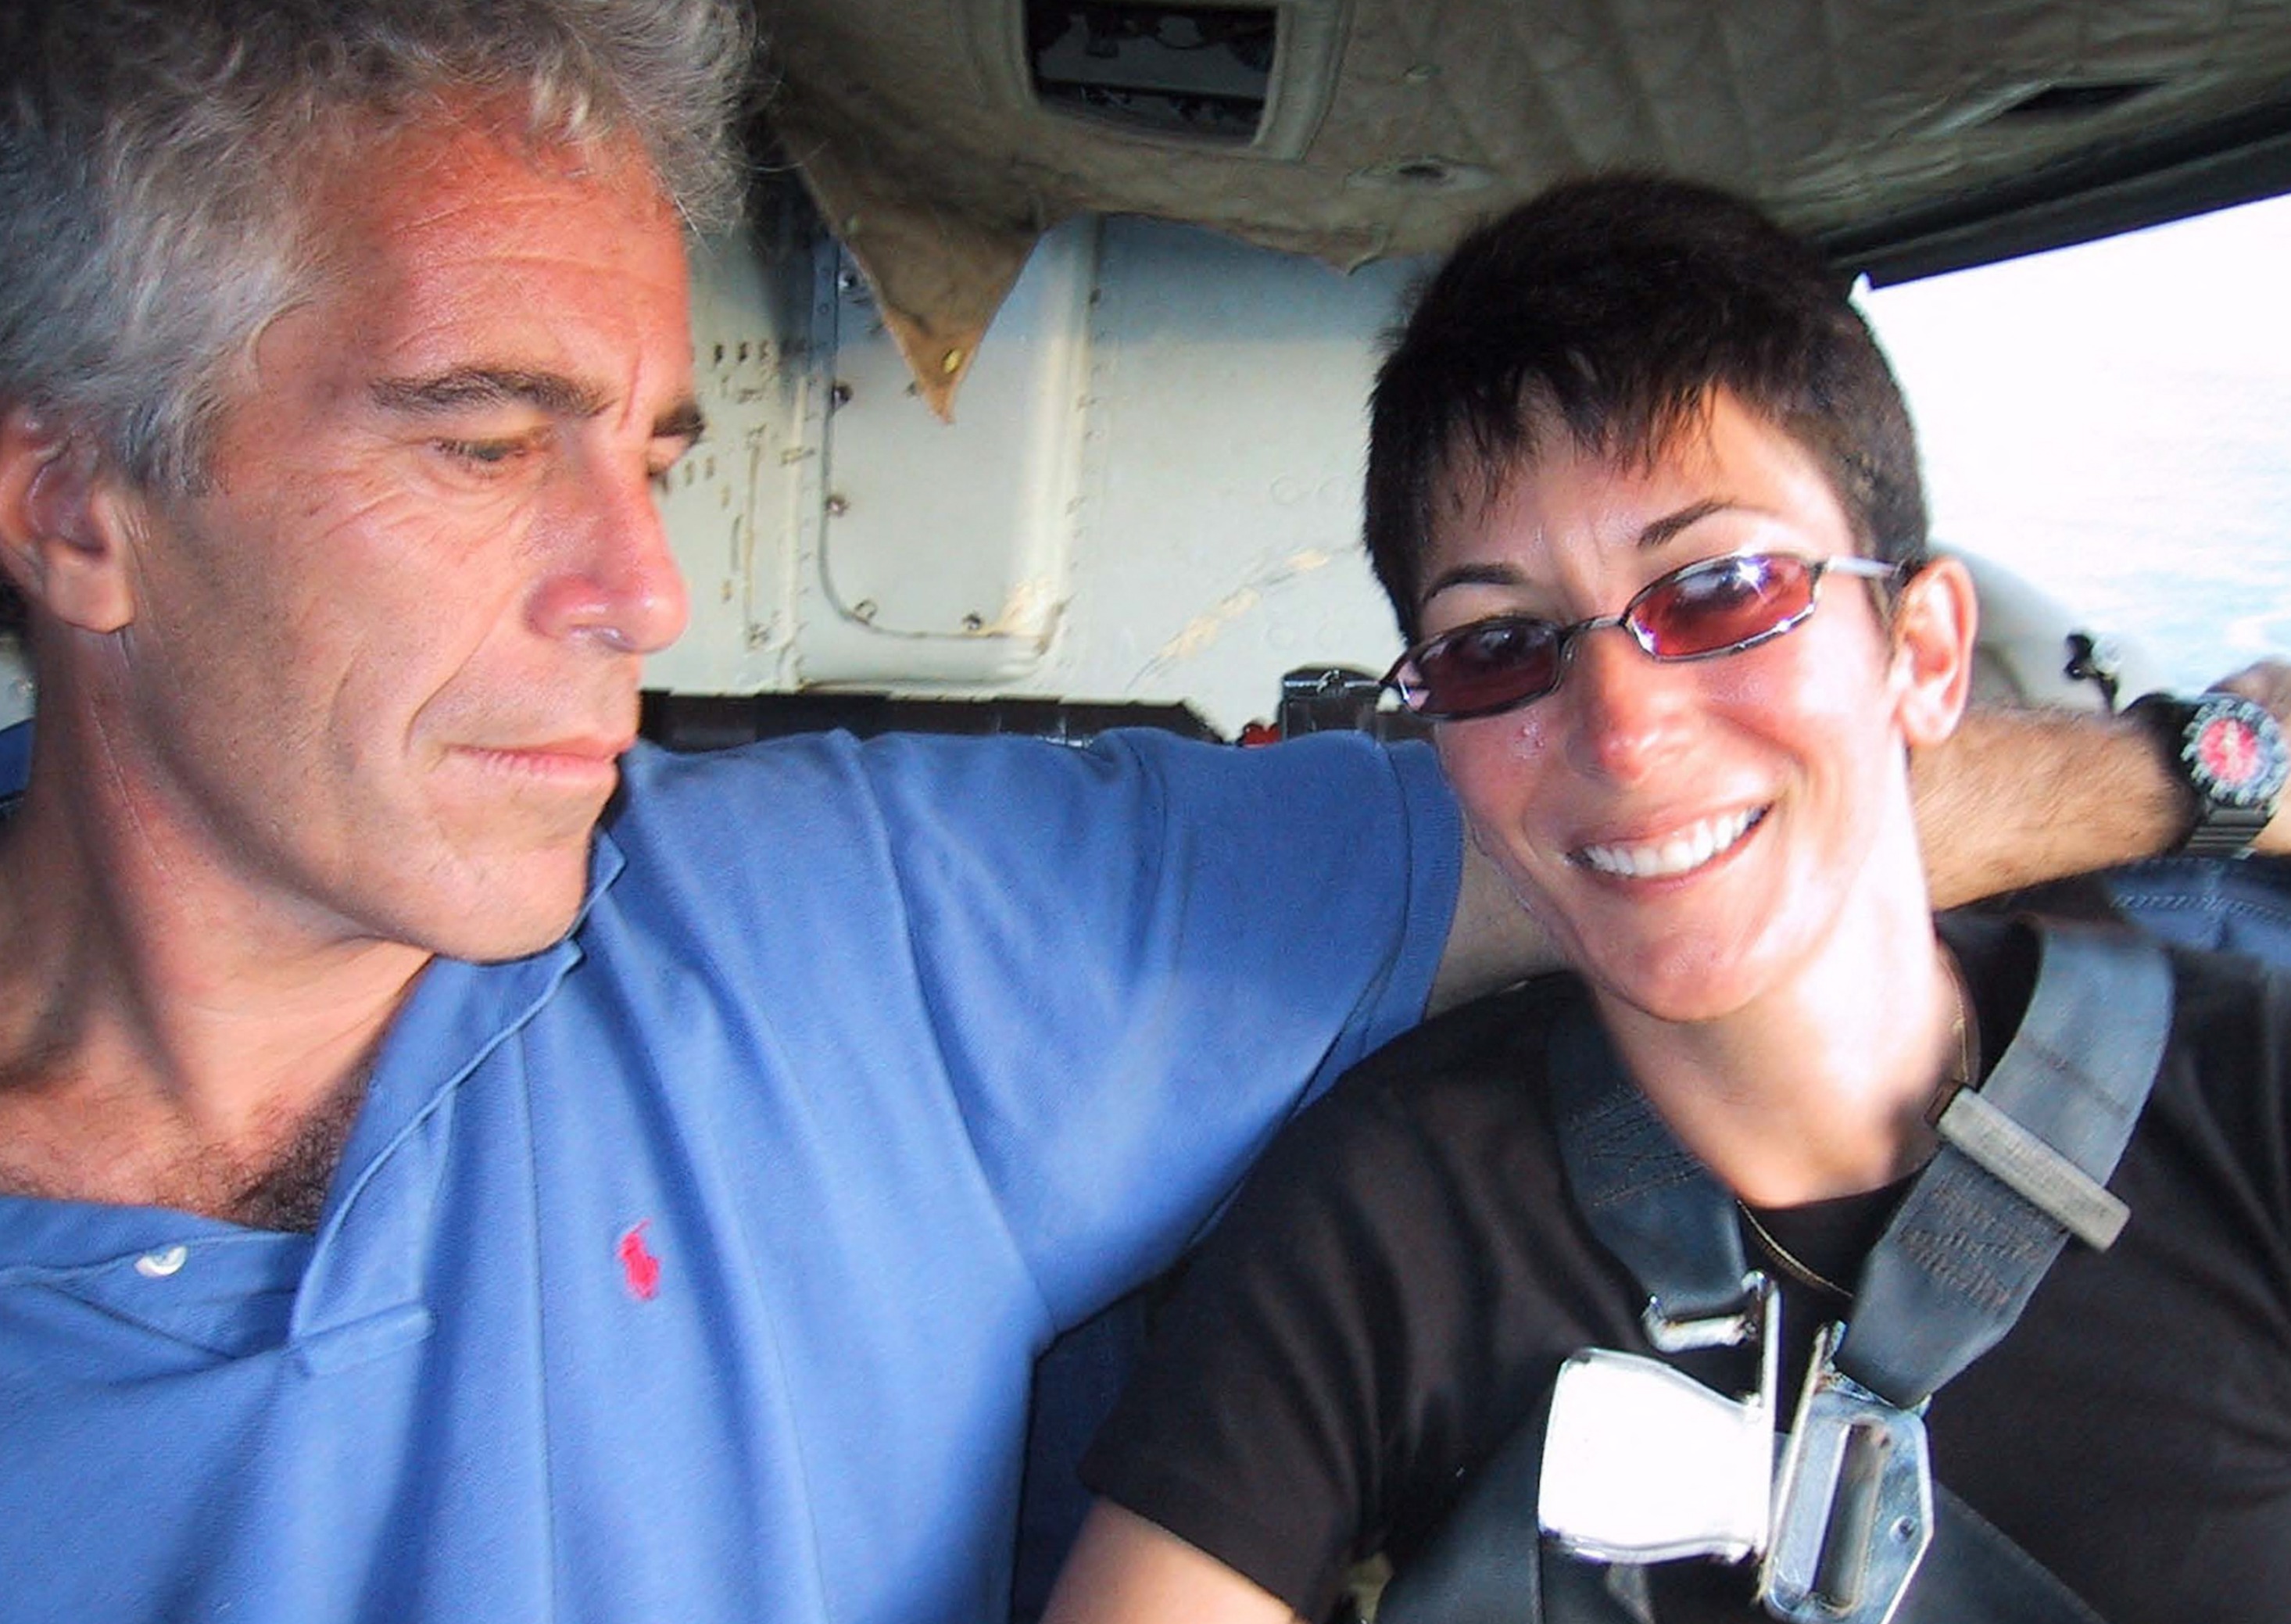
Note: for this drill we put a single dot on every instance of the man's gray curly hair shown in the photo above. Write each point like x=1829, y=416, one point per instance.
x=156, y=161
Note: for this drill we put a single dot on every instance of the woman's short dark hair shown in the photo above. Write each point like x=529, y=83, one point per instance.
x=1614, y=308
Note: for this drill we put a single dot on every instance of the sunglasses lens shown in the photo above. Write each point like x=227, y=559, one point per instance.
x=1716, y=607
x=1487, y=666
x=1721, y=604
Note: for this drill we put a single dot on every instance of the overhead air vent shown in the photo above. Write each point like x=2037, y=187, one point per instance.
x=1205, y=72
x=1245, y=77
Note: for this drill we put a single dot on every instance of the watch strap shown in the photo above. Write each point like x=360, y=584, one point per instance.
x=2224, y=832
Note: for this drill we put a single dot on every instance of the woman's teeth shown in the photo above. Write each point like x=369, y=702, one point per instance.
x=1681, y=853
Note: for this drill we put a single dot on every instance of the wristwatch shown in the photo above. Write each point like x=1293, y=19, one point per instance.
x=2230, y=752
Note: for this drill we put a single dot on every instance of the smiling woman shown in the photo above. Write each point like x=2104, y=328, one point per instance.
x=1588, y=796
x=1632, y=457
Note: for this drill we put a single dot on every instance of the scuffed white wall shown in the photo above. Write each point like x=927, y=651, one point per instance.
x=1220, y=532
x=1150, y=492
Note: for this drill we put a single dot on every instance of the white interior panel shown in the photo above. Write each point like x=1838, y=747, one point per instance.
x=1150, y=492
x=735, y=506
x=944, y=550
x=1220, y=537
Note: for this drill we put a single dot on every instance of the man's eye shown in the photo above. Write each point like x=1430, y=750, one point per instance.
x=486, y=454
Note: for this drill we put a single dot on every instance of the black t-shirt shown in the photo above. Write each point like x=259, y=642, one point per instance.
x=1395, y=1290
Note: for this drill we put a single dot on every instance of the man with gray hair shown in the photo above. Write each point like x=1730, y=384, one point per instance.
x=456, y=1163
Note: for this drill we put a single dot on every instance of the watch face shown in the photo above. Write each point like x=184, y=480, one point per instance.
x=2234, y=753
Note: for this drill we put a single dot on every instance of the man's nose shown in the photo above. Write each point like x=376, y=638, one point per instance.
x=1626, y=708
x=613, y=578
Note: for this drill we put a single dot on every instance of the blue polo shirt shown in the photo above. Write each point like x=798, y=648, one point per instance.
x=691, y=1270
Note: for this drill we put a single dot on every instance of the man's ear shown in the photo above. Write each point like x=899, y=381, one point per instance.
x=63, y=537
x=1936, y=618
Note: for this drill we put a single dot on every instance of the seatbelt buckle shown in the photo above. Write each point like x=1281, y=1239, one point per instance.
x=1854, y=1503
x=1643, y=1463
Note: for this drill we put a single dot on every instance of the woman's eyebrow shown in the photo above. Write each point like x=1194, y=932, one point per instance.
x=1666, y=529
x=1472, y=574
x=1656, y=534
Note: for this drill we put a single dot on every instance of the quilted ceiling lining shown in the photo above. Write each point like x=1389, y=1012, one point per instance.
x=1862, y=121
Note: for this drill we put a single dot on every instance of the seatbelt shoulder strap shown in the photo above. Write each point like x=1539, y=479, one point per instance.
x=2020, y=1170
x=2023, y=1165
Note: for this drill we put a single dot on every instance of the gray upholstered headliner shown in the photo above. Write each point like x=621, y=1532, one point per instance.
x=1881, y=125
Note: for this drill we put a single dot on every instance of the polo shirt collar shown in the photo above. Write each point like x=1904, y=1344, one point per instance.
x=356, y=1286
x=458, y=1015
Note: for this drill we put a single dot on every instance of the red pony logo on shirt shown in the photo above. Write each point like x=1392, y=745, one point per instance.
x=639, y=1265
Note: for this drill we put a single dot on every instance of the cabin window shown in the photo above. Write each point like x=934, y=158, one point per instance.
x=2112, y=421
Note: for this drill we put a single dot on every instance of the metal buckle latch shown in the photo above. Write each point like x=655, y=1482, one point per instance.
x=1643, y=1463
x=1854, y=1506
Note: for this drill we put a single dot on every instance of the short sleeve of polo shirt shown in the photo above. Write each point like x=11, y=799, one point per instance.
x=1126, y=962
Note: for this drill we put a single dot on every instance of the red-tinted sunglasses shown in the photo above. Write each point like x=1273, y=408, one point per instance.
x=1718, y=605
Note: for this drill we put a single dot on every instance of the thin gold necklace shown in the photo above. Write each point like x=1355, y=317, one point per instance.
x=1967, y=1033
x=1787, y=1261
x=1961, y=1074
